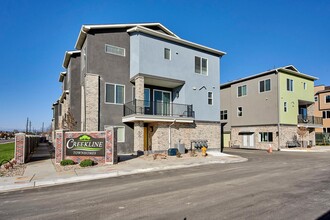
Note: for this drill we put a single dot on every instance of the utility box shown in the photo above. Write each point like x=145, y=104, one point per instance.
x=181, y=148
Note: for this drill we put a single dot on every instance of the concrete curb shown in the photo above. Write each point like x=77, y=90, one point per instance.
x=88, y=177
x=305, y=151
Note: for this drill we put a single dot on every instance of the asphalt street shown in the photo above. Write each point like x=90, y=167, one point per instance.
x=282, y=185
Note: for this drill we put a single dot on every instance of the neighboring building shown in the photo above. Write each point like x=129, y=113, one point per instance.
x=322, y=107
x=268, y=108
x=154, y=87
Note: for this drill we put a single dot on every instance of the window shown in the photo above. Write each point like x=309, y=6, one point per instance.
x=210, y=98
x=119, y=51
x=289, y=84
x=264, y=85
x=241, y=91
x=285, y=106
x=167, y=54
x=326, y=114
x=265, y=137
x=223, y=115
x=146, y=96
x=326, y=130
x=120, y=133
x=201, y=65
x=114, y=94
x=240, y=111
x=315, y=98
x=327, y=99
x=305, y=86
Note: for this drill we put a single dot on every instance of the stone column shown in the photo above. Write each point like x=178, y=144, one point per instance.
x=111, y=156
x=138, y=136
x=20, y=148
x=92, y=102
x=139, y=94
x=59, y=146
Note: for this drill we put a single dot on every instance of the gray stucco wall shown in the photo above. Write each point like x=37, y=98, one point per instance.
x=75, y=89
x=258, y=108
x=147, y=57
x=111, y=69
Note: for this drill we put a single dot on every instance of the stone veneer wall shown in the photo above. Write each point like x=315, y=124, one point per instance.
x=287, y=133
x=24, y=146
x=185, y=132
x=92, y=102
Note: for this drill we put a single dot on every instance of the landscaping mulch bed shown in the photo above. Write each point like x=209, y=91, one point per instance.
x=17, y=170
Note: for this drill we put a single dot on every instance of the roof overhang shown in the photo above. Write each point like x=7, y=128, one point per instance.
x=62, y=75
x=67, y=57
x=175, y=39
x=64, y=93
x=290, y=69
x=245, y=132
x=86, y=28
x=299, y=74
x=159, y=81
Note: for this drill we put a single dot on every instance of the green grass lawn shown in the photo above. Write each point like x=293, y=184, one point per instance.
x=7, y=151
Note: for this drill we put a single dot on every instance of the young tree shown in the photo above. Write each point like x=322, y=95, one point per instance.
x=68, y=121
x=302, y=132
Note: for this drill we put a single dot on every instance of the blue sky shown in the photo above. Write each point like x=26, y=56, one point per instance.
x=257, y=36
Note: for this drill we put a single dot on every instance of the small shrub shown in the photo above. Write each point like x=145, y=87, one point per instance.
x=86, y=163
x=67, y=162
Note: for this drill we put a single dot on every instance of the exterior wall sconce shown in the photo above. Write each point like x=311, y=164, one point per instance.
x=177, y=94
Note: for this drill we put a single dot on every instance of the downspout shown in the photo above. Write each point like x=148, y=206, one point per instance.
x=279, y=110
x=169, y=134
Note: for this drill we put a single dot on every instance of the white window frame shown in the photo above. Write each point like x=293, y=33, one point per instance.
x=224, y=113
x=117, y=126
x=238, y=111
x=170, y=54
x=201, y=66
x=285, y=107
x=270, y=85
x=242, y=90
x=210, y=98
x=291, y=89
x=105, y=94
x=115, y=47
x=266, y=137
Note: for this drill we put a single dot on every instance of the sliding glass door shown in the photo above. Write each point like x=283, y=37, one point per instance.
x=162, y=102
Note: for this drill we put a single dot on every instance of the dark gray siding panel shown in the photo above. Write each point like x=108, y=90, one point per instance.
x=112, y=69
x=75, y=90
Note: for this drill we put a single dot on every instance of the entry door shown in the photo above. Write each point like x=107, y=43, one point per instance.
x=248, y=140
x=162, y=102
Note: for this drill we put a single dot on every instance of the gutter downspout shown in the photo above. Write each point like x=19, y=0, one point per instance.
x=169, y=134
x=278, y=107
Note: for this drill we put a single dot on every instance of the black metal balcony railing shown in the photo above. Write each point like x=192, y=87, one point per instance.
x=303, y=119
x=144, y=107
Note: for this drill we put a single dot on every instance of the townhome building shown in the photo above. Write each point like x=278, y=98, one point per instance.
x=67, y=109
x=273, y=108
x=322, y=107
x=154, y=87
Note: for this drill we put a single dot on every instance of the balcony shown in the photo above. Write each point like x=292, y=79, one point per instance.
x=309, y=121
x=151, y=111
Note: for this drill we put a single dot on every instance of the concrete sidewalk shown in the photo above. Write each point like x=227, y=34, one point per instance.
x=41, y=170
